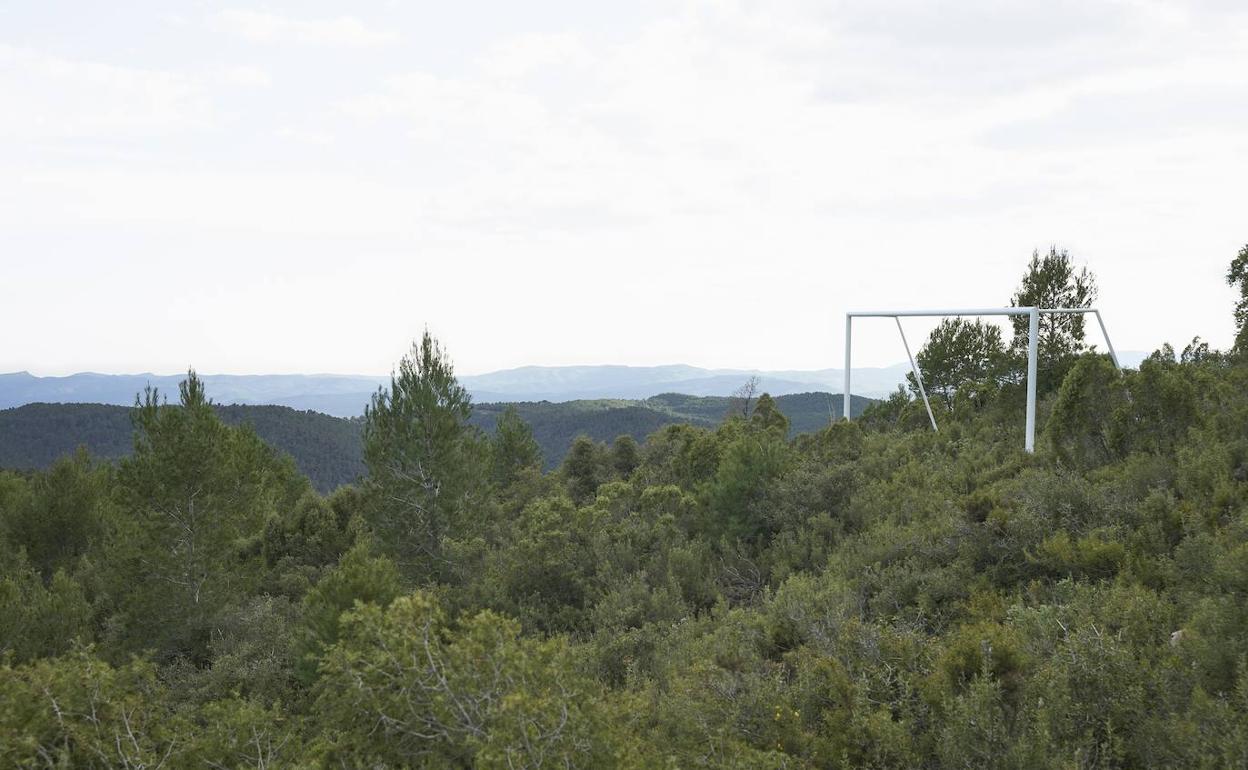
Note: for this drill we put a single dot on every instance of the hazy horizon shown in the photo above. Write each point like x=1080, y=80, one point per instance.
x=140, y=372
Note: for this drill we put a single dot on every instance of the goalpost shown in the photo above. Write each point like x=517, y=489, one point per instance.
x=1034, y=313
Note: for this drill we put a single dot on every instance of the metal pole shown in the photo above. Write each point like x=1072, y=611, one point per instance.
x=1033, y=334
x=849, y=341
x=1112, y=355
x=918, y=377
x=1032, y=347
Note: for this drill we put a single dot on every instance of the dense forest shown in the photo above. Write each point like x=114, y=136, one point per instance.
x=330, y=451
x=325, y=449
x=874, y=594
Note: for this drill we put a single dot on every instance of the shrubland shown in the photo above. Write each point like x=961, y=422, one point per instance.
x=875, y=594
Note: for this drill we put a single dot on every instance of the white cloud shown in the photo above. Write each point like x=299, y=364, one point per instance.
x=48, y=97
x=247, y=76
x=303, y=135
x=525, y=55
x=657, y=182
x=344, y=31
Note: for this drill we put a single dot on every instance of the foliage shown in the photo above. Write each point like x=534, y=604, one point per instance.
x=325, y=449
x=958, y=355
x=513, y=449
x=726, y=595
x=191, y=494
x=61, y=515
x=329, y=450
x=422, y=458
x=1051, y=281
x=1237, y=276
x=359, y=578
x=406, y=688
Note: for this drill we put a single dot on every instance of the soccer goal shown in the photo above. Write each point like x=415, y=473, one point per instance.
x=1033, y=329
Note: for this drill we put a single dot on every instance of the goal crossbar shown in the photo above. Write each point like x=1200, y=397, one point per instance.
x=1034, y=313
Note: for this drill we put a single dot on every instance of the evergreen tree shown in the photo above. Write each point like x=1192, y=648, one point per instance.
x=625, y=455
x=360, y=578
x=513, y=448
x=959, y=353
x=768, y=417
x=583, y=469
x=1237, y=276
x=192, y=492
x=1051, y=281
x=62, y=515
x=422, y=457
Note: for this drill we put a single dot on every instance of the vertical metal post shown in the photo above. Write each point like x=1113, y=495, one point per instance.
x=849, y=341
x=918, y=376
x=1112, y=355
x=1033, y=334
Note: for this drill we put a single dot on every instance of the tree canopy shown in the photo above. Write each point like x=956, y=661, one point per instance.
x=1237, y=277
x=1051, y=281
x=872, y=594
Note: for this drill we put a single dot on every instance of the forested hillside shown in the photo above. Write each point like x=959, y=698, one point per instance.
x=554, y=425
x=346, y=396
x=325, y=449
x=874, y=594
x=329, y=452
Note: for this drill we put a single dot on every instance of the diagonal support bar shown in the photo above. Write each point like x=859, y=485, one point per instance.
x=1112, y=354
x=918, y=376
x=1033, y=314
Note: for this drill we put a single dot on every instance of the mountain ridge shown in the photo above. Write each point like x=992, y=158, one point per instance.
x=343, y=395
x=328, y=449
x=346, y=395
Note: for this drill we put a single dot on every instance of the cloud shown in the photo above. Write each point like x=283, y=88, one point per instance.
x=788, y=111
x=525, y=55
x=344, y=31
x=48, y=97
x=247, y=77
x=303, y=135
x=794, y=157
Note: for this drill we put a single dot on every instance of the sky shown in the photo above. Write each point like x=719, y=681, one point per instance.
x=305, y=187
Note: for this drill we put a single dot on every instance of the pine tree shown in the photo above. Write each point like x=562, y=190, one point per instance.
x=1237, y=276
x=958, y=353
x=513, y=448
x=1051, y=281
x=423, y=459
x=193, y=491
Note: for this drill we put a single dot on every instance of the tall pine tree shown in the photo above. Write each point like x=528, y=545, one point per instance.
x=423, y=459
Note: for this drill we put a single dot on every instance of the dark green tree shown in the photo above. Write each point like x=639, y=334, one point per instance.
x=625, y=455
x=423, y=458
x=1237, y=277
x=513, y=448
x=734, y=498
x=62, y=516
x=959, y=353
x=1052, y=281
x=1081, y=430
x=360, y=577
x=584, y=469
x=41, y=620
x=192, y=494
x=768, y=417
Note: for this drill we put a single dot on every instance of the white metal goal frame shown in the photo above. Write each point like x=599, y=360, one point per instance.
x=1034, y=313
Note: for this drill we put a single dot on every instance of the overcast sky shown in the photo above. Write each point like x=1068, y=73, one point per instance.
x=302, y=187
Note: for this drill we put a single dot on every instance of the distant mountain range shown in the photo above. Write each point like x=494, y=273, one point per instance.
x=567, y=383
x=328, y=449
x=341, y=396
x=346, y=395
